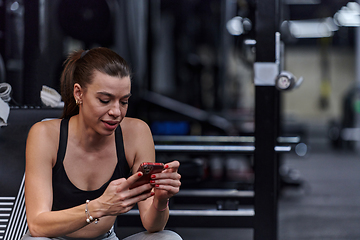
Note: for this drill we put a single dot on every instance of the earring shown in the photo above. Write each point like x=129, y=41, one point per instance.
x=77, y=101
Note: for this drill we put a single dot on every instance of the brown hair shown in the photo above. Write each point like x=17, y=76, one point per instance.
x=79, y=68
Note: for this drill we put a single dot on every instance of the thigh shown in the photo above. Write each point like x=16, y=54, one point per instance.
x=163, y=235
x=108, y=236
x=27, y=236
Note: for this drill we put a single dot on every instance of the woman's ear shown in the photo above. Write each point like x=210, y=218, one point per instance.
x=78, y=93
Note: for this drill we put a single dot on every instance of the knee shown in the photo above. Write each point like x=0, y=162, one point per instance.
x=170, y=235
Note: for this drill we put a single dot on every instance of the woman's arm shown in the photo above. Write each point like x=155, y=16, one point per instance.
x=139, y=146
x=41, y=148
x=166, y=185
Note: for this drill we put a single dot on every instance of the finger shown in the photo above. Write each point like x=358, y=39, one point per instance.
x=132, y=179
x=172, y=165
x=165, y=175
x=130, y=197
x=173, y=184
x=170, y=189
x=118, y=181
x=140, y=197
x=140, y=189
x=144, y=196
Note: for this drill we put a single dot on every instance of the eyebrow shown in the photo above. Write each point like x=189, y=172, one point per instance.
x=111, y=95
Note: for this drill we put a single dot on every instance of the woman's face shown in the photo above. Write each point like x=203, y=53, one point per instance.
x=105, y=102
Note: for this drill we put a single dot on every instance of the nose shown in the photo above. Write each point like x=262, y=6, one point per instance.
x=115, y=110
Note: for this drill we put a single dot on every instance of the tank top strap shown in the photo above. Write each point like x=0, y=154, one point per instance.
x=123, y=165
x=63, y=138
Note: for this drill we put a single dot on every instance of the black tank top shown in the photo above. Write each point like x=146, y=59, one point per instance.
x=65, y=194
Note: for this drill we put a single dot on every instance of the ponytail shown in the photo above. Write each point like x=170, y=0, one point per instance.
x=67, y=85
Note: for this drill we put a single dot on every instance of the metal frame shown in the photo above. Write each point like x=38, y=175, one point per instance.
x=210, y=149
x=267, y=120
x=220, y=139
x=264, y=218
x=243, y=218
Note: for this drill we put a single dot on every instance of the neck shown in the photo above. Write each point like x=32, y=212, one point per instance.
x=86, y=137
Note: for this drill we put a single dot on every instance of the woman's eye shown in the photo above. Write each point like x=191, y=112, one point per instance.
x=124, y=103
x=103, y=101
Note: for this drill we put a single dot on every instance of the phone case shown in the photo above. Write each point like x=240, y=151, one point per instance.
x=147, y=168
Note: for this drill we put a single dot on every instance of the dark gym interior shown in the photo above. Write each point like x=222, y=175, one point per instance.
x=258, y=100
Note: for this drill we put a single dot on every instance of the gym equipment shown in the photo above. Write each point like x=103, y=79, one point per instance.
x=221, y=217
x=287, y=81
x=12, y=161
x=262, y=214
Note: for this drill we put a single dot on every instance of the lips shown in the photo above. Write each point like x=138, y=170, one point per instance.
x=111, y=125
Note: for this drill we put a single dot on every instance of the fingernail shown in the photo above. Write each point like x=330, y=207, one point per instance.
x=153, y=176
x=140, y=174
x=152, y=181
x=157, y=185
x=166, y=166
x=152, y=193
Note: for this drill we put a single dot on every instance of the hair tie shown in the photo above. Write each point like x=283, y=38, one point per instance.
x=84, y=53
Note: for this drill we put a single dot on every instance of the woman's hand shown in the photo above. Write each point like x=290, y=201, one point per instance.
x=154, y=212
x=167, y=183
x=118, y=198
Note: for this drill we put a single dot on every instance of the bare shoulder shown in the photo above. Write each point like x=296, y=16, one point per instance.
x=138, y=142
x=134, y=126
x=45, y=134
x=46, y=129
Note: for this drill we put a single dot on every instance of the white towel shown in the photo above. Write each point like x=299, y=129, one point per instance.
x=4, y=113
x=50, y=97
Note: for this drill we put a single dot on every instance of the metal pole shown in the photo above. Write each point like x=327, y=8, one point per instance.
x=266, y=120
x=357, y=46
x=357, y=84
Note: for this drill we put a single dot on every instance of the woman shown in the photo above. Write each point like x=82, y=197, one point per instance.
x=77, y=167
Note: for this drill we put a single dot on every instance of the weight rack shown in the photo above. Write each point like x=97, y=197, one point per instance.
x=263, y=218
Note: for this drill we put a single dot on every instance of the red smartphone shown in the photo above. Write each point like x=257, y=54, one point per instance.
x=147, y=168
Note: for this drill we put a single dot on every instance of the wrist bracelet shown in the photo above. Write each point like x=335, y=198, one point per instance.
x=89, y=218
x=161, y=210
